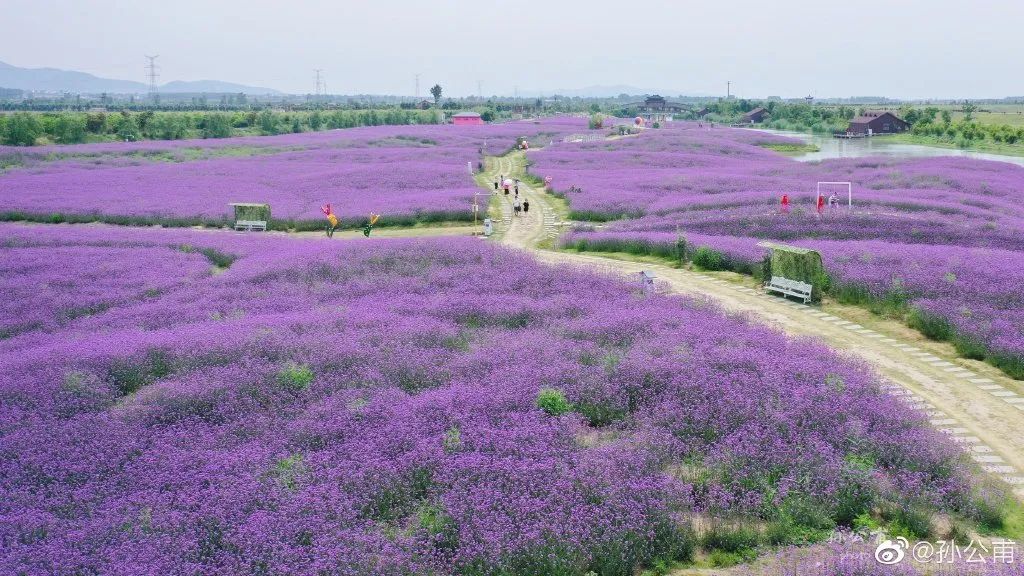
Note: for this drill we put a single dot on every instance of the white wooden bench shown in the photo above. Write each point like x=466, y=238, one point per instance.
x=250, y=225
x=789, y=287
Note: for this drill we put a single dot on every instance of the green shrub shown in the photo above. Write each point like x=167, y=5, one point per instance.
x=800, y=521
x=969, y=347
x=1011, y=364
x=432, y=520
x=600, y=412
x=708, y=259
x=930, y=325
x=855, y=499
x=553, y=402
x=865, y=521
x=723, y=559
x=730, y=538
x=911, y=522
x=129, y=375
x=295, y=377
x=988, y=507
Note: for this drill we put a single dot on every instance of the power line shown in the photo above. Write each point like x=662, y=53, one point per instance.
x=319, y=83
x=152, y=74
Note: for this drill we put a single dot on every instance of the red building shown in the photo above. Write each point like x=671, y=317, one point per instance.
x=467, y=119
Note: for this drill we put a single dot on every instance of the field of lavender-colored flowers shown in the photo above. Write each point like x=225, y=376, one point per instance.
x=296, y=406
x=943, y=235
x=407, y=173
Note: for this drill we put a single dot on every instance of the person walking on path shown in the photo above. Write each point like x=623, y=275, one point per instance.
x=526, y=206
x=516, y=207
x=495, y=185
x=332, y=220
x=785, y=203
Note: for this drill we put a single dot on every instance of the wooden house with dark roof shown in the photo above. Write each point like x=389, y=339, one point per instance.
x=877, y=122
x=755, y=116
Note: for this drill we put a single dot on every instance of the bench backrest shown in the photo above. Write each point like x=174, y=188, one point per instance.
x=261, y=224
x=794, y=285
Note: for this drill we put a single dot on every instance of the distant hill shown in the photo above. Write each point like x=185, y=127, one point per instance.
x=213, y=86
x=54, y=80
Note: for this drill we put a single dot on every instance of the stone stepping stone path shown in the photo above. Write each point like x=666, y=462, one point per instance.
x=978, y=450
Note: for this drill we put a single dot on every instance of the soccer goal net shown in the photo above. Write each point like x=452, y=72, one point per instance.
x=840, y=189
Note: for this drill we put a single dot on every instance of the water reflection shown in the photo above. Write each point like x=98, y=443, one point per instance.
x=881, y=146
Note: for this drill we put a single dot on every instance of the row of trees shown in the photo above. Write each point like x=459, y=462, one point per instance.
x=966, y=133
x=28, y=129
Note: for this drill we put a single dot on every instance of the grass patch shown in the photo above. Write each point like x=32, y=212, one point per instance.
x=295, y=377
x=792, y=149
x=976, y=145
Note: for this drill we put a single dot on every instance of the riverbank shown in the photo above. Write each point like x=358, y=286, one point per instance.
x=896, y=146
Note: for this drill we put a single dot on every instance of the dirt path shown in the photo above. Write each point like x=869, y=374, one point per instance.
x=978, y=406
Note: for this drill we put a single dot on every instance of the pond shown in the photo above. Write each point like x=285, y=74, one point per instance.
x=880, y=146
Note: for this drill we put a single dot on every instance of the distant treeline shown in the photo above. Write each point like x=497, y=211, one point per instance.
x=939, y=125
x=34, y=128
x=928, y=122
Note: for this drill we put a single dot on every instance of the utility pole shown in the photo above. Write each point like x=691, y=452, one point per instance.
x=417, y=87
x=319, y=83
x=479, y=90
x=728, y=89
x=151, y=72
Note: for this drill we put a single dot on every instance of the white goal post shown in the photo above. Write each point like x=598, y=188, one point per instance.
x=836, y=187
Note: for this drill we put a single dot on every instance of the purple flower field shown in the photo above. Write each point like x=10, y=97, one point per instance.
x=309, y=407
x=406, y=173
x=942, y=234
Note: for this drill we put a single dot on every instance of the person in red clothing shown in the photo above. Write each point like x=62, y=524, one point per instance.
x=821, y=204
x=785, y=202
x=332, y=220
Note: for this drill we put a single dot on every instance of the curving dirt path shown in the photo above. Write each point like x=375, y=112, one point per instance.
x=976, y=404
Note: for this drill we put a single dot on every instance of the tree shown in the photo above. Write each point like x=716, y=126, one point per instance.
x=968, y=109
x=127, y=129
x=22, y=129
x=95, y=123
x=436, y=93
x=316, y=121
x=216, y=125
x=268, y=124
x=69, y=128
x=946, y=118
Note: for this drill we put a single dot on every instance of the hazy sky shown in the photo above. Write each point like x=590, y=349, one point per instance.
x=896, y=48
